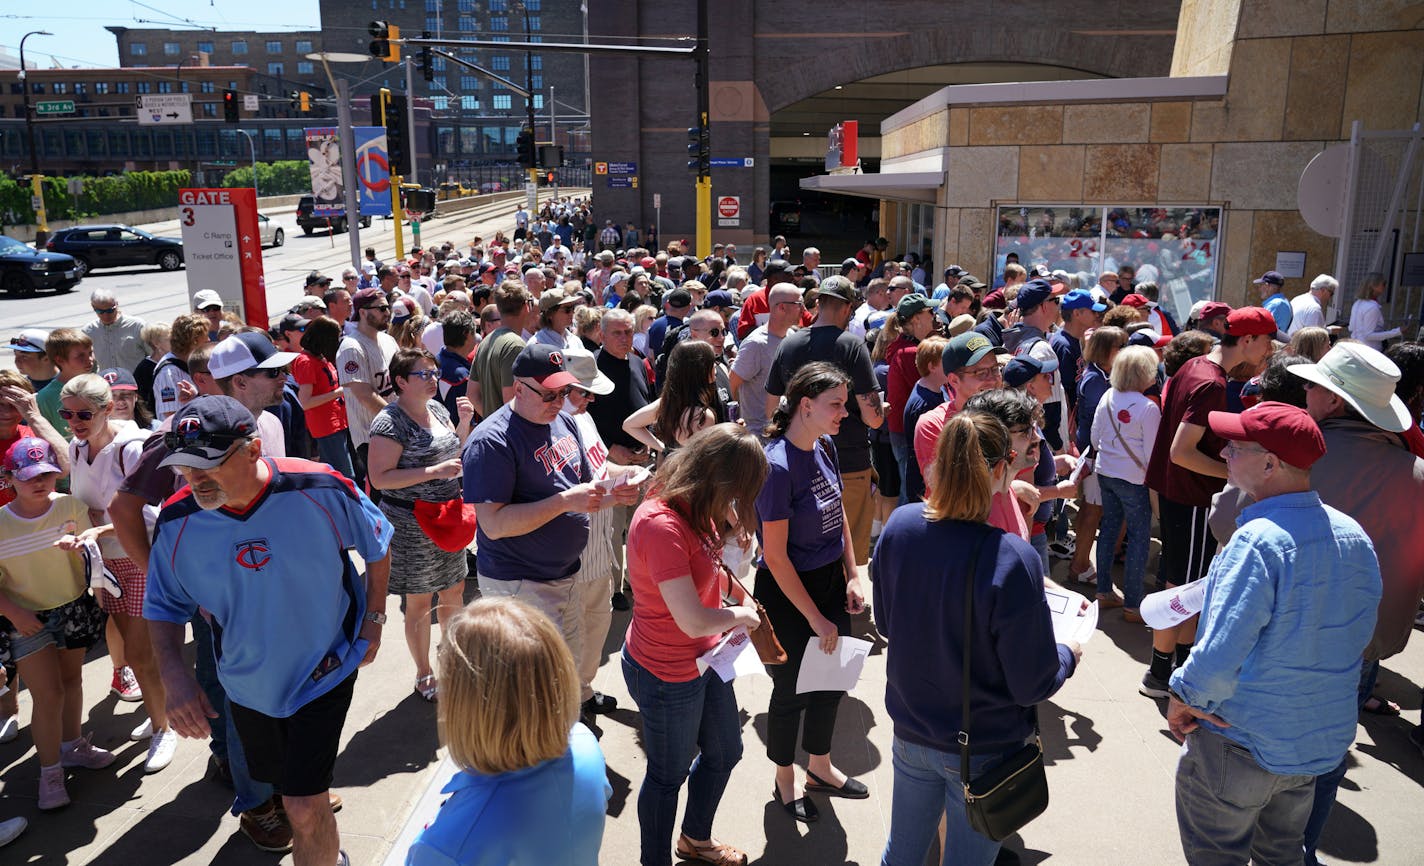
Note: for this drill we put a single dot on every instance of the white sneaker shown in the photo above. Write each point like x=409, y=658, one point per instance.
x=160, y=750
x=10, y=830
x=9, y=728
x=85, y=754
x=1088, y=576
x=143, y=731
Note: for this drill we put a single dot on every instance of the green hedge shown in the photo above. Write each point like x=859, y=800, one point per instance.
x=135, y=190
x=287, y=177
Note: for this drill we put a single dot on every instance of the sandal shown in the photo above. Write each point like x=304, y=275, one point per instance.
x=853, y=789
x=1381, y=706
x=715, y=852
x=428, y=688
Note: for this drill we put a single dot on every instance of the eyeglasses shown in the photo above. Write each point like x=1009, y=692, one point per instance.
x=270, y=373
x=716, y=332
x=986, y=373
x=548, y=396
x=1234, y=449
x=199, y=439
x=349, y=277
x=82, y=414
x=426, y=375
x=104, y=311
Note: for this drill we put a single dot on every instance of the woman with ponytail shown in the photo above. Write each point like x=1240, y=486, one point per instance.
x=806, y=579
x=927, y=553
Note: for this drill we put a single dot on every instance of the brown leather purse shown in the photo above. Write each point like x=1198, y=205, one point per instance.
x=768, y=648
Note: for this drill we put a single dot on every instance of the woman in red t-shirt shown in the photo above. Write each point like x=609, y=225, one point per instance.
x=320, y=394
x=674, y=545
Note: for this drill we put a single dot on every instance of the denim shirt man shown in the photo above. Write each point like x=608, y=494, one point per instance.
x=1295, y=567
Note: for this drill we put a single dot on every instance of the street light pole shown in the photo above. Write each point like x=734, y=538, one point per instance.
x=36, y=181
x=532, y=194
x=253, y=146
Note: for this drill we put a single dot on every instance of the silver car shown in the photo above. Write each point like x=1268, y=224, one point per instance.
x=271, y=233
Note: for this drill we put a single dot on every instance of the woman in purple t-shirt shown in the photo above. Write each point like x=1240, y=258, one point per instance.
x=807, y=578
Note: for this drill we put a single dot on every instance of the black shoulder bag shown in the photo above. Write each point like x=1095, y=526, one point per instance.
x=1014, y=792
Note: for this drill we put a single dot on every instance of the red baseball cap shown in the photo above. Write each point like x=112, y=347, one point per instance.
x=1284, y=430
x=1251, y=320
x=648, y=262
x=1135, y=300
x=1212, y=309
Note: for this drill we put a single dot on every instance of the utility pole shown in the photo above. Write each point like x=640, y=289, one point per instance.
x=348, y=167
x=532, y=192
x=554, y=139
x=704, y=171
x=397, y=213
x=411, y=146
x=36, y=179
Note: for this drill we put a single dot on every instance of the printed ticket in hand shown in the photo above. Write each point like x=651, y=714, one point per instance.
x=1071, y=619
x=627, y=479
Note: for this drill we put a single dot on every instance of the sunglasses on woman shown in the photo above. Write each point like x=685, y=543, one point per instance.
x=82, y=414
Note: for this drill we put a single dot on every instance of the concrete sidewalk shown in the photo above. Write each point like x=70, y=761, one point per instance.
x=1110, y=758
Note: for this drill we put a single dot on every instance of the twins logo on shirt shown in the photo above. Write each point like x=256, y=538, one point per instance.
x=558, y=454
x=253, y=554
x=1124, y=416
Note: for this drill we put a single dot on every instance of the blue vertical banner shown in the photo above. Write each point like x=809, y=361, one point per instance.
x=373, y=171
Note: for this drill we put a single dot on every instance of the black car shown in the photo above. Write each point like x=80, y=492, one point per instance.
x=23, y=269
x=310, y=223
x=116, y=246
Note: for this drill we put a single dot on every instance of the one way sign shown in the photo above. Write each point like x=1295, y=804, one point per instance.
x=156, y=109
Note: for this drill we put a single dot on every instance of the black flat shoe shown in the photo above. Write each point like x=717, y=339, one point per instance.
x=600, y=704
x=853, y=789
x=621, y=602
x=802, y=810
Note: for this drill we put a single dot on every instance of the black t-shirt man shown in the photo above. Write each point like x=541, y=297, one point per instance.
x=846, y=351
x=631, y=392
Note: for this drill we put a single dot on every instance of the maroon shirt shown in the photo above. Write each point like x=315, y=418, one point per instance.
x=1197, y=389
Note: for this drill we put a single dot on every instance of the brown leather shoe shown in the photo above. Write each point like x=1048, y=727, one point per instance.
x=1131, y=615
x=1109, y=600
x=267, y=827
x=716, y=852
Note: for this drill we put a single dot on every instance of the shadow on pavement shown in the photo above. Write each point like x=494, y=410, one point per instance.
x=386, y=746
x=168, y=834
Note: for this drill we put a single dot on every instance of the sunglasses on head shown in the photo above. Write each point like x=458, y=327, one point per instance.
x=82, y=414
x=199, y=439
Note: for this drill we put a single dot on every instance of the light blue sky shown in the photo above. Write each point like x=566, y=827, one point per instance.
x=80, y=38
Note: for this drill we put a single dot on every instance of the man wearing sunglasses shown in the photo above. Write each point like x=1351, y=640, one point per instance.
x=249, y=369
x=707, y=326
x=114, y=334
x=362, y=363
x=263, y=544
x=528, y=475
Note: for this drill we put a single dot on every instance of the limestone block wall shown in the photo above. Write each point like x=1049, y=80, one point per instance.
x=1299, y=73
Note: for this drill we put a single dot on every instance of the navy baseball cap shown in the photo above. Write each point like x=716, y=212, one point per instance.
x=966, y=350
x=718, y=299
x=119, y=379
x=1272, y=278
x=679, y=298
x=1082, y=299
x=205, y=430
x=29, y=457
x=1022, y=368
x=1033, y=293
x=544, y=364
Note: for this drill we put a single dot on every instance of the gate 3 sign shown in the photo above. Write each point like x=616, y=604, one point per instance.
x=223, y=249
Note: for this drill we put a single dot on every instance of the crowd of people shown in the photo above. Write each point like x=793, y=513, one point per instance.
x=582, y=422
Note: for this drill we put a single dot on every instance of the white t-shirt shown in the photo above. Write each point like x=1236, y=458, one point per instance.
x=95, y=482
x=1305, y=313
x=1138, y=418
x=362, y=359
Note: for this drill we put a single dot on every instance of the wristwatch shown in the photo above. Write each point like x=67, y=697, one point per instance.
x=376, y=616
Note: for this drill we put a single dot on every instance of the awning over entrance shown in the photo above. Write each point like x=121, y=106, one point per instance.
x=910, y=186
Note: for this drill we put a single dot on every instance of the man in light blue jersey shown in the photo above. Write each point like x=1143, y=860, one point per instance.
x=292, y=620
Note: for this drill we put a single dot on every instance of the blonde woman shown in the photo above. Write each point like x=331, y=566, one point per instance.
x=532, y=786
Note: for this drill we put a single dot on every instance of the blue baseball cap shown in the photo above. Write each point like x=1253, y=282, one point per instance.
x=1022, y=368
x=29, y=457
x=1082, y=299
x=205, y=430
x=1033, y=293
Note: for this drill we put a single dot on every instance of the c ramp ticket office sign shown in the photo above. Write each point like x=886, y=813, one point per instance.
x=223, y=250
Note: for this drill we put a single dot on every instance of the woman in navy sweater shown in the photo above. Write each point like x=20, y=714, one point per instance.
x=918, y=574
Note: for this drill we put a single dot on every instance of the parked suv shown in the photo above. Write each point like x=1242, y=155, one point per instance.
x=116, y=246
x=311, y=223
x=24, y=269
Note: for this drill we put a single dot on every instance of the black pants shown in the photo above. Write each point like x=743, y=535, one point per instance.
x=827, y=588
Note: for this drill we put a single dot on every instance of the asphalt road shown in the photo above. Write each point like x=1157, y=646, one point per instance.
x=156, y=295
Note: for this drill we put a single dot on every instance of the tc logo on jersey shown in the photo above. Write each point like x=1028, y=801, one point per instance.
x=252, y=554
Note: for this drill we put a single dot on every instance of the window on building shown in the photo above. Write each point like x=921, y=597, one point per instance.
x=165, y=87
x=305, y=67
x=534, y=22
x=274, y=46
x=239, y=46
x=469, y=82
x=537, y=82
x=210, y=109
x=499, y=64
x=1177, y=248
x=538, y=101
x=274, y=69
x=61, y=87
x=442, y=103
x=205, y=47
x=498, y=23
x=499, y=5
x=101, y=87
x=143, y=87
x=304, y=46
x=432, y=5
x=432, y=23
x=532, y=5
x=438, y=83
x=17, y=87
x=499, y=39
x=207, y=87
x=37, y=87
x=469, y=103
x=138, y=49
x=121, y=87
x=438, y=64
x=172, y=49
x=466, y=24
x=467, y=6
x=501, y=102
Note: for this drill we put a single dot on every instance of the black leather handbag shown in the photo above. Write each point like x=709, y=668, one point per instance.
x=1012, y=793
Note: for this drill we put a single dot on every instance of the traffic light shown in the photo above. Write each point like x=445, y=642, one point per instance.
x=699, y=147
x=427, y=60
x=384, y=46
x=230, y=106
x=525, y=145
x=304, y=102
x=294, y=100
x=395, y=133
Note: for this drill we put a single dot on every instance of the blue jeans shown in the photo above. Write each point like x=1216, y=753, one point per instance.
x=692, y=734
x=1124, y=501
x=225, y=744
x=1328, y=784
x=1230, y=810
x=1040, y=543
x=927, y=786
x=900, y=444
x=334, y=452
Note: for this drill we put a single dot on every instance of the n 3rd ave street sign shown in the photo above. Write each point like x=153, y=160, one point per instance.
x=54, y=106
